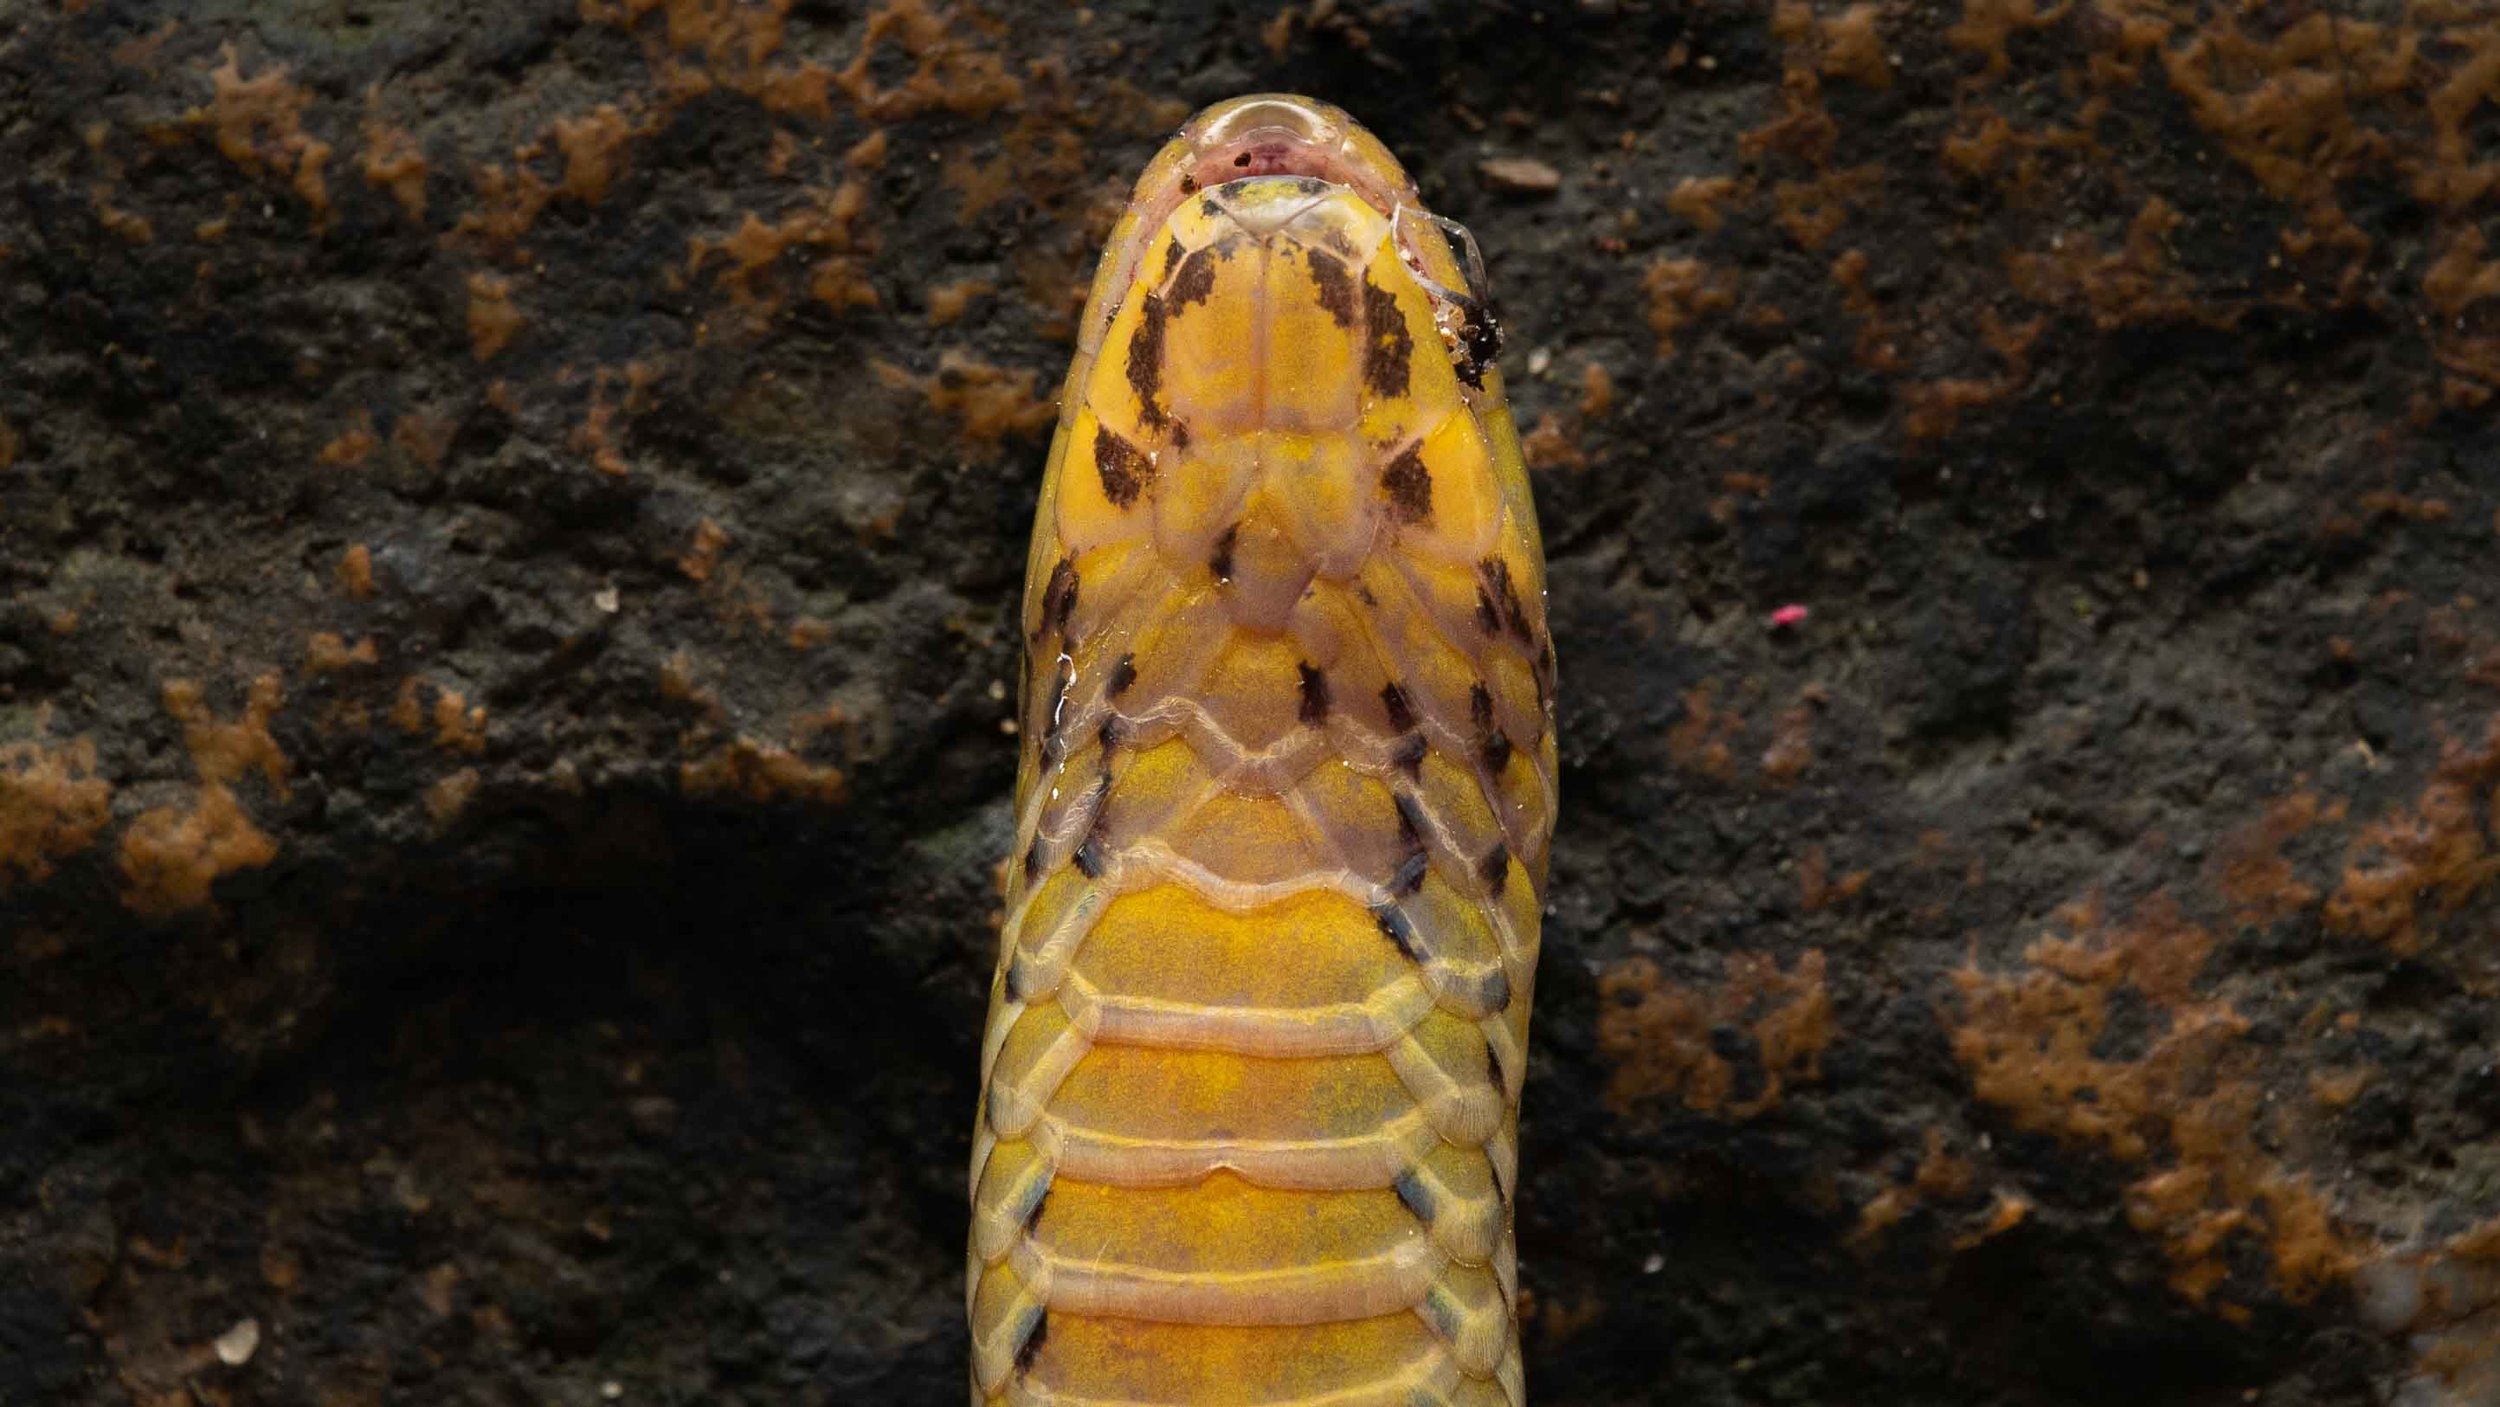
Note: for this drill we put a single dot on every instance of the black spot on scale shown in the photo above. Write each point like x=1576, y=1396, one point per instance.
x=1013, y=983
x=1496, y=589
x=1336, y=287
x=1480, y=708
x=1497, y=752
x=1220, y=560
x=1416, y=1197
x=1314, y=709
x=1145, y=359
x=1410, y=875
x=1494, y=869
x=1493, y=1064
x=1488, y=615
x=1389, y=351
x=1398, y=929
x=1088, y=858
x=1410, y=819
x=1123, y=674
x=1408, y=486
x=1033, y=1218
x=1112, y=736
x=1409, y=754
x=1401, y=713
x=1194, y=282
x=1033, y=860
x=1497, y=991
x=1125, y=470
x=1189, y=184
x=1031, y=1348
x=1058, y=599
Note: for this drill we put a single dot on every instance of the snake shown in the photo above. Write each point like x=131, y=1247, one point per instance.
x=1250, y=1082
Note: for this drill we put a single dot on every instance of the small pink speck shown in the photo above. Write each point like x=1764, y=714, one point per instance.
x=1788, y=615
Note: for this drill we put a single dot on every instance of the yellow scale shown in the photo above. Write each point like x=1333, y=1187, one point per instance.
x=1248, y=1128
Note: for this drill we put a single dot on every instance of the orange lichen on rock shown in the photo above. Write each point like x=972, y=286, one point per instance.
x=1681, y=292
x=949, y=73
x=52, y=806
x=446, y=799
x=594, y=151
x=493, y=321
x=457, y=726
x=356, y=571
x=2421, y=863
x=1986, y=25
x=2135, y=284
x=393, y=160
x=1659, y=1034
x=989, y=402
x=173, y=855
x=260, y=127
x=700, y=559
x=1817, y=890
x=225, y=752
x=328, y=652
x=352, y=445
x=2259, y=884
x=949, y=301
x=736, y=42
x=2034, y=1046
x=1698, y=198
x=1702, y=740
x=825, y=226
x=761, y=772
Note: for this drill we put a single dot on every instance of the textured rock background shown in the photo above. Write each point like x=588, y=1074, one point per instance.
x=509, y=520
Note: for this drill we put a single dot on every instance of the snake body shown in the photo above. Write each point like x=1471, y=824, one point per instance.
x=1248, y=1127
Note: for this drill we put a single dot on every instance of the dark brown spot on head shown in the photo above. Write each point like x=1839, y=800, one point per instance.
x=1336, y=287
x=1125, y=469
x=1058, y=598
x=1145, y=359
x=1123, y=674
x=1390, y=349
x=1220, y=561
x=1495, y=869
x=1401, y=713
x=1408, y=486
x=1195, y=280
x=1314, y=696
x=1189, y=184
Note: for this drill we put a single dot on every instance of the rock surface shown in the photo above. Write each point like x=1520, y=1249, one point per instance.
x=509, y=522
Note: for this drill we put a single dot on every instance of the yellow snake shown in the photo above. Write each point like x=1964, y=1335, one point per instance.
x=1250, y=1085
